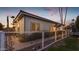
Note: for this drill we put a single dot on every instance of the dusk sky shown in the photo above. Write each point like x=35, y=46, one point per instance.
x=46, y=12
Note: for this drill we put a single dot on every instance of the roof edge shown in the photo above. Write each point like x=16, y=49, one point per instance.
x=35, y=16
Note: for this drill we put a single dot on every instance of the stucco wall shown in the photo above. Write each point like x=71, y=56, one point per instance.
x=43, y=24
x=25, y=24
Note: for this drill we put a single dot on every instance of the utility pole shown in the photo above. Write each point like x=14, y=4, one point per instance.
x=7, y=22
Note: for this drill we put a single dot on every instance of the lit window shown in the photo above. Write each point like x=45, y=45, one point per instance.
x=35, y=26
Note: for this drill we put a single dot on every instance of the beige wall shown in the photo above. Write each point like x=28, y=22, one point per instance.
x=44, y=26
x=19, y=26
x=24, y=24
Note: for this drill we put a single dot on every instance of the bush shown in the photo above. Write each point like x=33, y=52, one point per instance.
x=33, y=36
x=30, y=37
x=22, y=37
x=59, y=32
x=48, y=34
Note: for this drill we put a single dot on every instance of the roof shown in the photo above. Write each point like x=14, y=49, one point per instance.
x=22, y=13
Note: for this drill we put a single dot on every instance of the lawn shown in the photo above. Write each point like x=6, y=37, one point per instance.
x=71, y=44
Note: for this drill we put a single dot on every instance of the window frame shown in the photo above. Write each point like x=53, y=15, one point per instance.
x=35, y=24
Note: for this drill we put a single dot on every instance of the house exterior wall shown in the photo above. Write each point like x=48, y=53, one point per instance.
x=44, y=26
x=19, y=26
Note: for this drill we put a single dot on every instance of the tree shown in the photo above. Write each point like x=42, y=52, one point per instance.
x=77, y=23
x=73, y=26
x=1, y=26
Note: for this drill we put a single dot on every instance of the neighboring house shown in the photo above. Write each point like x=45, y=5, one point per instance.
x=25, y=21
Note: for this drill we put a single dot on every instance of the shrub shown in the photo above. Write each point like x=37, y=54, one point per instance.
x=22, y=37
x=33, y=36
x=30, y=37
x=59, y=32
x=48, y=34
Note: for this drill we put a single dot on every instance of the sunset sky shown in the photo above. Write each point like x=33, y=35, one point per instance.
x=46, y=12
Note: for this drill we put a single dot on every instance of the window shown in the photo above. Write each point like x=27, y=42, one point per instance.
x=35, y=26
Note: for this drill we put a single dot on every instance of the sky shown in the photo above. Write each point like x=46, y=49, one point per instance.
x=51, y=13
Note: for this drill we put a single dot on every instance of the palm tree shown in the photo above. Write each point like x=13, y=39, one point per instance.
x=62, y=15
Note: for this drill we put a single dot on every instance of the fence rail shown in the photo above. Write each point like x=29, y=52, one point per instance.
x=30, y=40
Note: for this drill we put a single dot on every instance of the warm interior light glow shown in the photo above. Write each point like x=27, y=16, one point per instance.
x=54, y=28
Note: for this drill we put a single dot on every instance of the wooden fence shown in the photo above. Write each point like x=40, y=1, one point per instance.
x=29, y=40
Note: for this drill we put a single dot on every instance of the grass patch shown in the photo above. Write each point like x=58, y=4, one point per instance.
x=71, y=44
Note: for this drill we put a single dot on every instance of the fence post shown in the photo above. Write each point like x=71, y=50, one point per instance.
x=2, y=41
x=42, y=39
x=55, y=36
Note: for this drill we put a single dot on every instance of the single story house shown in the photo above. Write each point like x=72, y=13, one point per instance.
x=25, y=21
